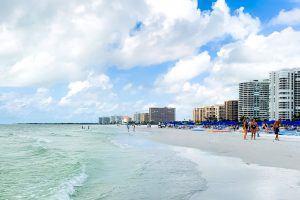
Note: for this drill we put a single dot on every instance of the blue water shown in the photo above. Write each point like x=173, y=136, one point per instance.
x=67, y=162
x=289, y=133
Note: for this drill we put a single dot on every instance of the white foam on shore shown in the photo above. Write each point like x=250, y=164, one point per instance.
x=231, y=178
x=68, y=188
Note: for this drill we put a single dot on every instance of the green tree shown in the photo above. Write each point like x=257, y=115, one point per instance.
x=242, y=118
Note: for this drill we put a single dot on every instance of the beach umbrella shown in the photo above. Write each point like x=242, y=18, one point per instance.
x=190, y=123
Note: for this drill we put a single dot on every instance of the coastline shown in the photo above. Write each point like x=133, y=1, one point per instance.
x=264, y=151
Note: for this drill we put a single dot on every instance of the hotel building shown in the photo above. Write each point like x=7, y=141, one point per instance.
x=284, y=94
x=231, y=110
x=211, y=112
x=144, y=117
x=162, y=114
x=254, y=99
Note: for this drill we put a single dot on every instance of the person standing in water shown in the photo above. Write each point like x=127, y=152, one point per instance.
x=245, y=128
x=276, y=126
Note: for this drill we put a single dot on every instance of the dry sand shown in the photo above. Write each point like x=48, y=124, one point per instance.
x=263, y=151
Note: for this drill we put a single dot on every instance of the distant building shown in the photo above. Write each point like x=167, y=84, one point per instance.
x=119, y=119
x=126, y=120
x=162, y=114
x=116, y=119
x=144, y=117
x=209, y=113
x=112, y=119
x=220, y=112
x=254, y=99
x=106, y=120
x=214, y=112
x=231, y=110
x=197, y=114
x=284, y=94
x=136, y=117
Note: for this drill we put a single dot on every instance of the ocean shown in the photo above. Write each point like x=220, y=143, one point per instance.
x=106, y=162
x=68, y=162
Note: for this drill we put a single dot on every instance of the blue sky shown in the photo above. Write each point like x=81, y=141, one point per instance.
x=76, y=61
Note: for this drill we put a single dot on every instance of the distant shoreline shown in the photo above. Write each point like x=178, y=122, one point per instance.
x=69, y=123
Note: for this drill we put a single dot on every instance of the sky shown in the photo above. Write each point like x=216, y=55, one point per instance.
x=74, y=61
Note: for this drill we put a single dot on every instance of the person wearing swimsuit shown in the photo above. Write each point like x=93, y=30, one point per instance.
x=276, y=126
x=245, y=128
x=253, y=128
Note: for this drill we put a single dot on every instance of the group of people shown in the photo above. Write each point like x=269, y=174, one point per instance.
x=252, y=126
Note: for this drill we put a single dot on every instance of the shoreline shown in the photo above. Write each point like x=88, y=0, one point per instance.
x=264, y=151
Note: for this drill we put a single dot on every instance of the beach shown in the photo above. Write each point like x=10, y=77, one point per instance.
x=262, y=151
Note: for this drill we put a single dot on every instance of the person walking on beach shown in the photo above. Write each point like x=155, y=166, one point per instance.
x=253, y=128
x=133, y=127
x=128, y=126
x=245, y=128
x=276, y=126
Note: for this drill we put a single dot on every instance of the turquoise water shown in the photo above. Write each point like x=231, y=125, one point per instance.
x=67, y=162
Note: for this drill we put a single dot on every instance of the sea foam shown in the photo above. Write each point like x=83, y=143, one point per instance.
x=68, y=188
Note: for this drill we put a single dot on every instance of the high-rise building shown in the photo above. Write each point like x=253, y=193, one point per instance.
x=162, y=114
x=100, y=120
x=284, y=94
x=254, y=99
x=144, y=117
x=231, y=110
x=105, y=120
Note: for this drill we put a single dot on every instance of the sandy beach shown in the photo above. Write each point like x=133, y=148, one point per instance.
x=263, y=151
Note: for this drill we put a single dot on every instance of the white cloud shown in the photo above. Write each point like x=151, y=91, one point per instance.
x=16, y=103
x=256, y=56
x=184, y=70
x=252, y=58
x=167, y=36
x=53, y=41
x=291, y=17
x=90, y=96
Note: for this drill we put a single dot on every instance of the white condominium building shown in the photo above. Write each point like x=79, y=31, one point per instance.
x=284, y=94
x=254, y=99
